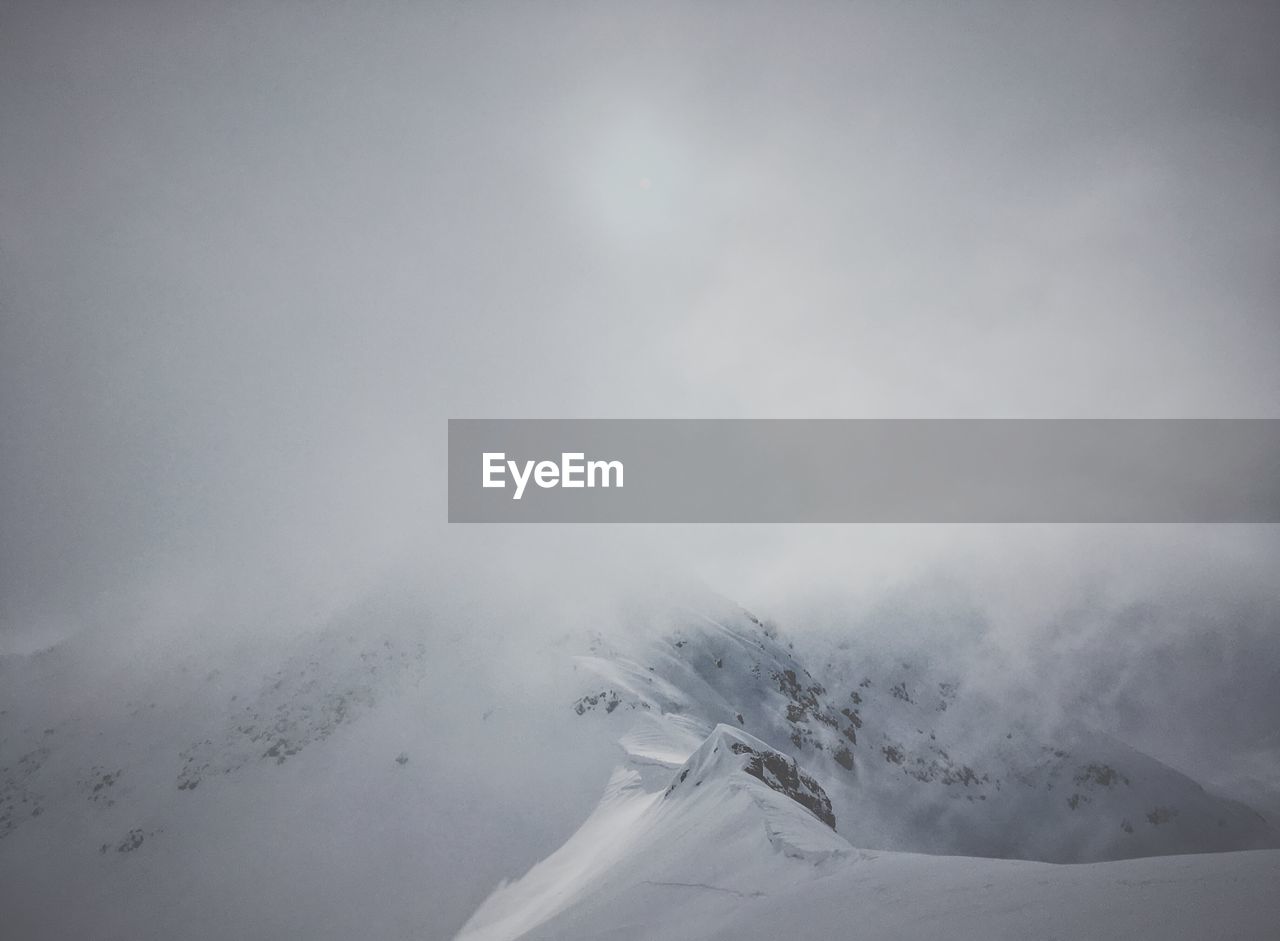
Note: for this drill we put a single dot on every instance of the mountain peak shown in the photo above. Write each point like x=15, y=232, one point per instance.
x=732, y=751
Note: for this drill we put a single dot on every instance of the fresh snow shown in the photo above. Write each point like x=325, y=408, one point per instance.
x=377, y=775
x=711, y=852
x=726, y=732
x=911, y=758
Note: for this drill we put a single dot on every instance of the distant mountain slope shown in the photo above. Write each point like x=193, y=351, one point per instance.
x=373, y=777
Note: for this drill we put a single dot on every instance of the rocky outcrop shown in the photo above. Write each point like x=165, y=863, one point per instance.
x=731, y=751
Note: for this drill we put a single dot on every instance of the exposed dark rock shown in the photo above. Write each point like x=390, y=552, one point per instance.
x=1099, y=774
x=784, y=776
x=1161, y=815
x=132, y=840
x=609, y=699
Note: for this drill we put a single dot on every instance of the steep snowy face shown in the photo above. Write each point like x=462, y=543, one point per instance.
x=737, y=820
x=737, y=843
x=909, y=760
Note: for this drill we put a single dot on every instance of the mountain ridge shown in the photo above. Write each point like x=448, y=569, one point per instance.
x=915, y=762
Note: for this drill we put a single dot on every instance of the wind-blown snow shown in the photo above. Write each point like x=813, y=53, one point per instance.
x=746, y=777
x=718, y=853
x=911, y=759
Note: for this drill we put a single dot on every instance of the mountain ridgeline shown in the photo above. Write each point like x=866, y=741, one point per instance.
x=908, y=759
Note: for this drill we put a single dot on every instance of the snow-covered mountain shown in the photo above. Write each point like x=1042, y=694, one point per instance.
x=911, y=760
x=735, y=800
x=377, y=775
x=712, y=827
x=371, y=777
x=739, y=846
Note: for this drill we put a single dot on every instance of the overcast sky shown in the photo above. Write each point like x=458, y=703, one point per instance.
x=252, y=256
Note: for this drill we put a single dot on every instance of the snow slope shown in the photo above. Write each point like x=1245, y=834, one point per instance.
x=374, y=775
x=719, y=852
x=726, y=797
x=910, y=759
x=372, y=778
